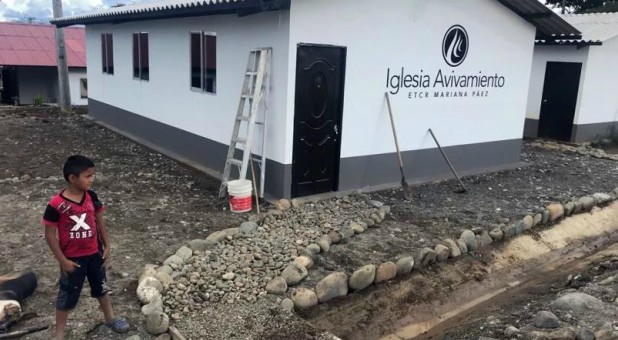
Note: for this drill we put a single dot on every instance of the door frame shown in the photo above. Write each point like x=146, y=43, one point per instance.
x=576, y=100
x=339, y=118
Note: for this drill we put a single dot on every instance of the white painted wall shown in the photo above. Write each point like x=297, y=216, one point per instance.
x=75, y=74
x=167, y=97
x=598, y=102
x=543, y=55
x=409, y=33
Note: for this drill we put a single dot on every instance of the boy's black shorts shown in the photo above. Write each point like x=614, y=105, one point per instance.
x=71, y=284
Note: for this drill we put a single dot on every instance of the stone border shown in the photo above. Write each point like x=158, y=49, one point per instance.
x=337, y=284
x=155, y=279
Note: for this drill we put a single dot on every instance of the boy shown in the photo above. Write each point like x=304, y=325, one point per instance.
x=76, y=233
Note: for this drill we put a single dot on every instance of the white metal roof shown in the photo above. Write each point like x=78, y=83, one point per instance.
x=154, y=6
x=595, y=26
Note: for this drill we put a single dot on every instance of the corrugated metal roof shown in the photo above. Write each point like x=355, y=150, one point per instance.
x=548, y=23
x=34, y=45
x=595, y=26
x=146, y=10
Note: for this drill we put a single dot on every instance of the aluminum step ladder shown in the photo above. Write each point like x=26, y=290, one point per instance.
x=255, y=88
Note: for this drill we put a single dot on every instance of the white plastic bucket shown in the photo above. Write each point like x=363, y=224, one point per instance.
x=240, y=191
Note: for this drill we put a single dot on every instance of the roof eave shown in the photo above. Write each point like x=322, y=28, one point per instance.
x=241, y=8
x=548, y=24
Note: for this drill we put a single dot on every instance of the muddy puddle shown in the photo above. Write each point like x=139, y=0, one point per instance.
x=432, y=301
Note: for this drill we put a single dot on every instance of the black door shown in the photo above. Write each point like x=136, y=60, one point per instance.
x=320, y=74
x=559, y=100
x=10, y=90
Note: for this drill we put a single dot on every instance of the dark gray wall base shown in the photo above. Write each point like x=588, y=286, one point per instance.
x=427, y=165
x=199, y=152
x=590, y=132
x=531, y=128
x=373, y=171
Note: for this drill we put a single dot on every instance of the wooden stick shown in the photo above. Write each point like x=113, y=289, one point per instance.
x=257, y=200
x=25, y=331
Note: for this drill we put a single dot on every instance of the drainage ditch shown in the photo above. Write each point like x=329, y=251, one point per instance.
x=436, y=301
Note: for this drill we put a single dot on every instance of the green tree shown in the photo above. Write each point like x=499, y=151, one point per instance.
x=580, y=6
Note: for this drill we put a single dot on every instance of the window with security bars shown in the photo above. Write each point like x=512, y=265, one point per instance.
x=204, y=61
x=107, y=53
x=140, y=56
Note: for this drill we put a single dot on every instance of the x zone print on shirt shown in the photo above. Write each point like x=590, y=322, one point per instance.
x=76, y=223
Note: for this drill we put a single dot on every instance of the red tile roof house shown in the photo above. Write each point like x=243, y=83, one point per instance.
x=28, y=63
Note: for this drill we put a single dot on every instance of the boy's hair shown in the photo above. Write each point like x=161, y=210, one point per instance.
x=75, y=165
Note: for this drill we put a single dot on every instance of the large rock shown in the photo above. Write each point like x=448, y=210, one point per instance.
x=303, y=261
x=150, y=270
x=483, y=240
x=304, y=298
x=513, y=230
x=149, y=289
x=335, y=236
x=165, y=269
x=184, y=253
x=426, y=257
x=198, y=245
x=585, y=334
x=314, y=248
x=248, y=227
x=556, y=211
x=277, y=286
x=442, y=252
x=332, y=286
x=283, y=204
x=358, y=228
x=511, y=331
x=385, y=272
x=453, y=248
x=363, y=277
x=157, y=323
x=587, y=203
x=287, y=305
x=405, y=264
x=293, y=274
x=216, y=237
x=602, y=198
x=164, y=278
x=462, y=246
x=155, y=305
x=545, y=319
x=346, y=232
x=537, y=219
x=324, y=242
x=174, y=260
x=496, y=234
x=569, y=208
x=470, y=239
x=578, y=304
x=606, y=335
x=528, y=222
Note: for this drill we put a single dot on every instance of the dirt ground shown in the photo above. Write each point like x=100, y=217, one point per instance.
x=156, y=205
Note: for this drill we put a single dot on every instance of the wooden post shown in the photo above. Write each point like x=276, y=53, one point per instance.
x=63, y=68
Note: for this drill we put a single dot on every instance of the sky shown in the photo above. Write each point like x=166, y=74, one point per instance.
x=41, y=10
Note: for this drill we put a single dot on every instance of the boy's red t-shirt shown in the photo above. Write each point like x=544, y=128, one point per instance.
x=76, y=223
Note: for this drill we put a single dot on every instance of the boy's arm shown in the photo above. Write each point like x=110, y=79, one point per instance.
x=66, y=264
x=103, y=234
